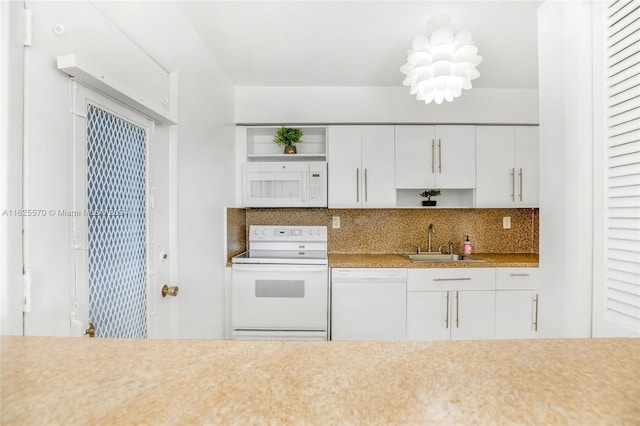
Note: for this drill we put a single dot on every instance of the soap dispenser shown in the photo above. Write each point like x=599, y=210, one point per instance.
x=466, y=246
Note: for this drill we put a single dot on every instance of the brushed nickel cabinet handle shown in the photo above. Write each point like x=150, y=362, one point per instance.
x=366, y=192
x=520, y=175
x=433, y=156
x=513, y=185
x=520, y=275
x=358, y=185
x=457, y=310
x=452, y=279
x=440, y=155
x=446, y=318
x=535, y=321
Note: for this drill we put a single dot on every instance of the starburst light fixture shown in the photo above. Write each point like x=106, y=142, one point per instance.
x=439, y=66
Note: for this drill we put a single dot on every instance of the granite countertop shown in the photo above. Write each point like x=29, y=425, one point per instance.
x=489, y=260
x=48, y=380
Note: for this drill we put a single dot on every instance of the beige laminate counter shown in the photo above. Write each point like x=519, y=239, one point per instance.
x=490, y=260
x=112, y=381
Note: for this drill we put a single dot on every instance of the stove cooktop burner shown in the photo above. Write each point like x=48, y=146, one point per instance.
x=300, y=257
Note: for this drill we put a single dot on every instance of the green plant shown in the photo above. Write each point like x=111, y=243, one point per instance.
x=287, y=136
x=430, y=193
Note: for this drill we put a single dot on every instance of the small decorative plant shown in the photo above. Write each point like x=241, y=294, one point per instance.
x=428, y=194
x=288, y=137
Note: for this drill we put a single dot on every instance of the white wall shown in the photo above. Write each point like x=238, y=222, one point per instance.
x=381, y=105
x=190, y=163
x=10, y=167
x=566, y=186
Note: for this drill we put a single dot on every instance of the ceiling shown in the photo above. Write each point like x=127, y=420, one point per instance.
x=359, y=43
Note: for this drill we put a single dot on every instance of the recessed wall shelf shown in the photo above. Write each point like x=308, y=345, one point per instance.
x=260, y=145
x=450, y=198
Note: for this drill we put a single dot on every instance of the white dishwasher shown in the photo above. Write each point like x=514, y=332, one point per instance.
x=368, y=304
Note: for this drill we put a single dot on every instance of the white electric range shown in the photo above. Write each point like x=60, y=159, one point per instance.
x=280, y=286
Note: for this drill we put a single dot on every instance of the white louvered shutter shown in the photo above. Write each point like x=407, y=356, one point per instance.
x=622, y=197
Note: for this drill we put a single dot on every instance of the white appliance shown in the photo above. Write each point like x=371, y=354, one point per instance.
x=284, y=184
x=368, y=304
x=280, y=287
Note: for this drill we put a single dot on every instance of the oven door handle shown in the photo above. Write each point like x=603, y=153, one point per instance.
x=278, y=268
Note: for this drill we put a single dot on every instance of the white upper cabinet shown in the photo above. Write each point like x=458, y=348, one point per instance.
x=527, y=166
x=360, y=168
x=507, y=166
x=435, y=157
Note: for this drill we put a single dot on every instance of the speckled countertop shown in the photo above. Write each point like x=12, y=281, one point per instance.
x=488, y=260
x=112, y=381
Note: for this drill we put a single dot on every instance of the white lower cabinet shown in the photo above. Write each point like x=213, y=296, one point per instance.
x=517, y=303
x=434, y=303
x=451, y=303
x=368, y=303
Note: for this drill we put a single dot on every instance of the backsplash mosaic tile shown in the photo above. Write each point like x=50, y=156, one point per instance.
x=400, y=230
x=236, y=231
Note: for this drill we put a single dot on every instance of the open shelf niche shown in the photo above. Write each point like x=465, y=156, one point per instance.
x=312, y=146
x=449, y=198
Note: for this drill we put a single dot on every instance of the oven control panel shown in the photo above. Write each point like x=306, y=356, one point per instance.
x=287, y=233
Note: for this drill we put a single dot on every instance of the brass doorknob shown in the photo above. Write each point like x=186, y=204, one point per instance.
x=91, y=331
x=171, y=291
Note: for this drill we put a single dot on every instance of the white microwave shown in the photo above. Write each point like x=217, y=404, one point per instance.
x=284, y=184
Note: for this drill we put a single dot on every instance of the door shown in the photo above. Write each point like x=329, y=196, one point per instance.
x=279, y=297
x=455, y=154
x=415, y=152
x=112, y=227
x=368, y=310
x=275, y=184
x=428, y=315
x=378, y=185
x=516, y=314
x=344, y=168
x=527, y=159
x=495, y=174
x=472, y=315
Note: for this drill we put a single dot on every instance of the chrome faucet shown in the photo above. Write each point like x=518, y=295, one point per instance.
x=450, y=247
x=430, y=232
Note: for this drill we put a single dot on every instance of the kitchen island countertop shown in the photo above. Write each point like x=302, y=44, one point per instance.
x=488, y=260
x=47, y=380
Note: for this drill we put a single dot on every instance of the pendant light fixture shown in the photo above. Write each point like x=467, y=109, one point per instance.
x=440, y=65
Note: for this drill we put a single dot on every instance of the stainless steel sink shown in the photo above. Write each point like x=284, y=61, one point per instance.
x=439, y=257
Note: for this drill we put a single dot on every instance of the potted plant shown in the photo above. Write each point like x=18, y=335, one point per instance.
x=288, y=137
x=428, y=194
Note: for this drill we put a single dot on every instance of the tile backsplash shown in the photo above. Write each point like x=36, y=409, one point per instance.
x=400, y=230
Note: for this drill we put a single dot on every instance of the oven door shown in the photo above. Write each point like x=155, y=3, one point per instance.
x=275, y=184
x=279, y=301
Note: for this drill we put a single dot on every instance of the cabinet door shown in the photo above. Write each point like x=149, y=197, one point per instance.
x=368, y=311
x=344, y=168
x=516, y=314
x=527, y=167
x=428, y=315
x=473, y=315
x=415, y=157
x=378, y=176
x=455, y=153
x=495, y=172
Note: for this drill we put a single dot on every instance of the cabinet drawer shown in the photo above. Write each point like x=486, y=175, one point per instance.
x=444, y=279
x=517, y=278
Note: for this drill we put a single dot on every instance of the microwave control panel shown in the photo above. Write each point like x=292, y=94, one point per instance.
x=315, y=186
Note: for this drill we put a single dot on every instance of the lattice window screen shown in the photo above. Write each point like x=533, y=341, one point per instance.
x=117, y=233
x=622, y=290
